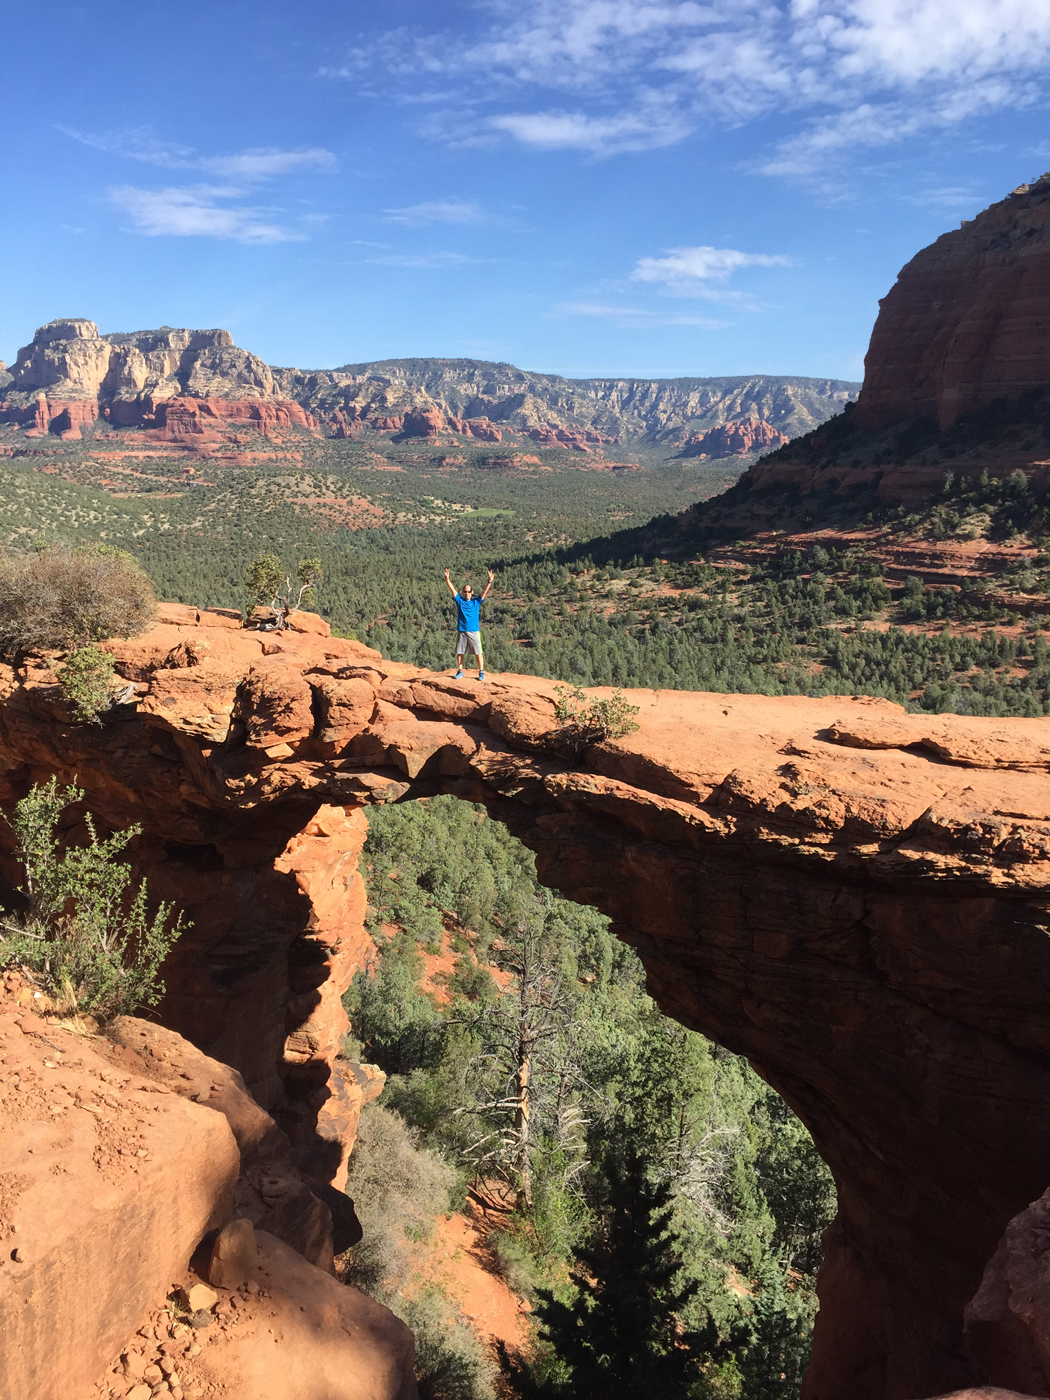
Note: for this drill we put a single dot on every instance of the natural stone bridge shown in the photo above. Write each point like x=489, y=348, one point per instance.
x=854, y=898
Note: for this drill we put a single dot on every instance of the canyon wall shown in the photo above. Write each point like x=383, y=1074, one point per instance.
x=172, y=381
x=966, y=321
x=69, y=375
x=854, y=898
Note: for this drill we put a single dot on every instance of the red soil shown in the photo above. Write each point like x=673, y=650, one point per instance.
x=458, y=1259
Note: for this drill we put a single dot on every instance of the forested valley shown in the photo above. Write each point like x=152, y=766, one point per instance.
x=529, y=1074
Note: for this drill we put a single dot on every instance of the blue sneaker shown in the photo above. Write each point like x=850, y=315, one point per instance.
x=458, y=676
x=481, y=675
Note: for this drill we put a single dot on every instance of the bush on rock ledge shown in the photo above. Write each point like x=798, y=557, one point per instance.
x=63, y=598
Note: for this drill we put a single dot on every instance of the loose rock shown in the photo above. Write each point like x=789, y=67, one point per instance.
x=234, y=1256
x=199, y=1298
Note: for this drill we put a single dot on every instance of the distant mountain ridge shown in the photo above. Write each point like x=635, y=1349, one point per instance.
x=657, y=410
x=69, y=375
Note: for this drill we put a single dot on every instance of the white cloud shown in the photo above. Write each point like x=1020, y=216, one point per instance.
x=644, y=73
x=254, y=165
x=690, y=271
x=875, y=125
x=437, y=211
x=907, y=42
x=196, y=211
x=634, y=317
x=264, y=162
x=562, y=131
x=424, y=260
x=135, y=143
x=202, y=210
x=574, y=45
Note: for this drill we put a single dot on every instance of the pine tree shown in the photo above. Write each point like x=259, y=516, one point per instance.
x=621, y=1334
x=775, y=1358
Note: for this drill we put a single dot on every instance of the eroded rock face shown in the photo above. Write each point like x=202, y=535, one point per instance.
x=966, y=321
x=124, y=1157
x=1008, y=1321
x=734, y=439
x=853, y=897
x=107, y=1183
x=130, y=377
x=182, y=385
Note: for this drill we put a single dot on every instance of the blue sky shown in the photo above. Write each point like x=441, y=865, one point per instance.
x=660, y=187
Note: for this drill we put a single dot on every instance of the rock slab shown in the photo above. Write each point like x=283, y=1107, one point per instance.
x=107, y=1183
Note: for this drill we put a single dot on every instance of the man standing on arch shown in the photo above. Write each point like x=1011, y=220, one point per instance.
x=468, y=623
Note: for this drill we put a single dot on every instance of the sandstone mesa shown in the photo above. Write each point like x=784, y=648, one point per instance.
x=182, y=386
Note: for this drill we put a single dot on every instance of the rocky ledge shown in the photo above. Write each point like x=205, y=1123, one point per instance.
x=855, y=898
x=136, y=1171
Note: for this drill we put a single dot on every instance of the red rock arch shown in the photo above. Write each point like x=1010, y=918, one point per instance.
x=855, y=899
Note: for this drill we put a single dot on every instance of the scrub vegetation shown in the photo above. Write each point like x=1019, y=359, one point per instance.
x=537, y=1079
x=85, y=932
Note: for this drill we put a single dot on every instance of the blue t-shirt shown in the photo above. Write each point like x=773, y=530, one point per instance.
x=468, y=614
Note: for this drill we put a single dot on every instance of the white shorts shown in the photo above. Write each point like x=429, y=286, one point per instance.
x=468, y=641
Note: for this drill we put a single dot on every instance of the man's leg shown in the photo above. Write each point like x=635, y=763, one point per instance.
x=481, y=664
x=459, y=659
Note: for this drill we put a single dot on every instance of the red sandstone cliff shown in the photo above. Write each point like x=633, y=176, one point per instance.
x=734, y=439
x=177, y=383
x=854, y=898
x=967, y=319
x=126, y=378
x=963, y=328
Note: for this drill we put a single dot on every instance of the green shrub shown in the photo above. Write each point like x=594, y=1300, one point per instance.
x=451, y=1362
x=521, y=1270
x=70, y=597
x=399, y=1189
x=267, y=583
x=584, y=723
x=86, y=934
x=86, y=681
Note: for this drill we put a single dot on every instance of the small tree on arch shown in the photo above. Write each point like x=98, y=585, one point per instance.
x=268, y=583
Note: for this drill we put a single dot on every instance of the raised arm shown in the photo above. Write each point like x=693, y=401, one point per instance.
x=492, y=579
x=451, y=585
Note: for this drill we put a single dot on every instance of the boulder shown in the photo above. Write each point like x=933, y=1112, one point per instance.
x=230, y=618
x=234, y=1257
x=346, y=708
x=1008, y=1320
x=300, y=621
x=301, y=1334
x=110, y=1182
x=275, y=703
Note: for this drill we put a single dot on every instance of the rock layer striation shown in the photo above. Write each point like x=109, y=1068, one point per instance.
x=966, y=321
x=69, y=375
